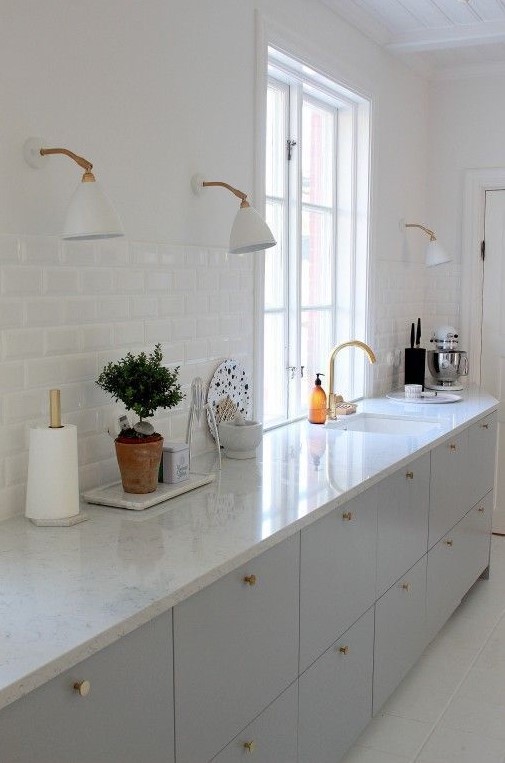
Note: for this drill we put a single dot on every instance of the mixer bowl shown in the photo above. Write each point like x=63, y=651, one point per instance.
x=447, y=366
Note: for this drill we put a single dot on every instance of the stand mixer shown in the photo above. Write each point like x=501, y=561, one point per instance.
x=446, y=363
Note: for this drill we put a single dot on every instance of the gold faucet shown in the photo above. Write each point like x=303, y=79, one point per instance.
x=333, y=398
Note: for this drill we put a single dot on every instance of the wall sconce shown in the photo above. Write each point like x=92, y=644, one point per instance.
x=90, y=214
x=435, y=253
x=249, y=232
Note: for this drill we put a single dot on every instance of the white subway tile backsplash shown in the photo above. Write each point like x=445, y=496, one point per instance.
x=196, y=350
x=23, y=406
x=184, y=279
x=112, y=308
x=62, y=341
x=44, y=372
x=12, y=376
x=111, y=252
x=128, y=281
x=183, y=328
x=40, y=249
x=80, y=367
x=16, y=469
x=62, y=281
x=131, y=333
x=80, y=310
x=96, y=337
x=46, y=311
x=11, y=313
x=196, y=304
x=144, y=253
x=21, y=280
x=158, y=280
x=79, y=253
x=10, y=249
x=158, y=331
x=22, y=343
x=144, y=307
x=171, y=305
x=97, y=281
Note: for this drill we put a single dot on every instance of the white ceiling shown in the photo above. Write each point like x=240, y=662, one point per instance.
x=440, y=37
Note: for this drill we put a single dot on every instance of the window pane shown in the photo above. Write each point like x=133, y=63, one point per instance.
x=316, y=340
x=275, y=140
x=275, y=257
x=318, y=154
x=275, y=376
x=317, y=256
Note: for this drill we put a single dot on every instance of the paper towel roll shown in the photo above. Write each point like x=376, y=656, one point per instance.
x=52, y=491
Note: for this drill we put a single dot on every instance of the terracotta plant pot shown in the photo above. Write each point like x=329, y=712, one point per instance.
x=139, y=460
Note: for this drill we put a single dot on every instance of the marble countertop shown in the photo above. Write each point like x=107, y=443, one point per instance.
x=65, y=593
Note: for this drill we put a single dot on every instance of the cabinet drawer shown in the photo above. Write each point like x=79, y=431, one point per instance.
x=482, y=450
x=456, y=562
x=449, y=499
x=127, y=716
x=336, y=695
x=400, y=631
x=236, y=650
x=272, y=736
x=404, y=501
x=337, y=573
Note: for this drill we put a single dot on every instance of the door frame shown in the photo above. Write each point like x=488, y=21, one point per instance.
x=477, y=182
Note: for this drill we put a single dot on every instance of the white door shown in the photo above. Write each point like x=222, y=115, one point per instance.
x=493, y=332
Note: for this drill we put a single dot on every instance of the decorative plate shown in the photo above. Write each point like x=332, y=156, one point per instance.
x=229, y=391
x=440, y=397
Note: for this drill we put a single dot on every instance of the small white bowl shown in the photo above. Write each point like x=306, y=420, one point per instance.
x=240, y=440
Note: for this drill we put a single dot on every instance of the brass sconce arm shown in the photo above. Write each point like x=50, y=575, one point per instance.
x=239, y=194
x=428, y=232
x=86, y=166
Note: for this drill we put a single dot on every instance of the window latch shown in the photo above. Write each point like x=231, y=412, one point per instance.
x=289, y=146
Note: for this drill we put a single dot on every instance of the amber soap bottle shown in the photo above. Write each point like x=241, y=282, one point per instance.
x=317, y=403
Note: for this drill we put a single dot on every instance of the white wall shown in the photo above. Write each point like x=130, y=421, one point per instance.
x=466, y=132
x=153, y=92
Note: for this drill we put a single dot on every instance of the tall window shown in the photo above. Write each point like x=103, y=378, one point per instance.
x=317, y=163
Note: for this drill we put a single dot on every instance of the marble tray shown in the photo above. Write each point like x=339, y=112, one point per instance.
x=114, y=495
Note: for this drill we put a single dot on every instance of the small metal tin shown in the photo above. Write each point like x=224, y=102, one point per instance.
x=175, y=462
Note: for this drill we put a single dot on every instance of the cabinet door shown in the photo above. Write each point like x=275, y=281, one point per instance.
x=404, y=501
x=482, y=450
x=235, y=650
x=127, y=716
x=272, y=736
x=449, y=487
x=456, y=562
x=400, y=631
x=336, y=695
x=337, y=573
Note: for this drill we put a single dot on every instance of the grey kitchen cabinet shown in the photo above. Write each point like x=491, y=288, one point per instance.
x=456, y=562
x=126, y=717
x=337, y=573
x=272, y=736
x=402, y=535
x=449, y=499
x=482, y=450
x=235, y=650
x=400, y=631
x=336, y=695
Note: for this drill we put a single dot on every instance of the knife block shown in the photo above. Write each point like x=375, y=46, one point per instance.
x=415, y=362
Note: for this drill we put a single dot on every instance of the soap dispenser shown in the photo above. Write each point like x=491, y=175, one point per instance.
x=317, y=402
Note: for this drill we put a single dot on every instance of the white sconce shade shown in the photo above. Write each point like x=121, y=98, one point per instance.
x=90, y=214
x=249, y=232
x=435, y=252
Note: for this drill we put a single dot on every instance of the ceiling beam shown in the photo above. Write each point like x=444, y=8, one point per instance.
x=449, y=37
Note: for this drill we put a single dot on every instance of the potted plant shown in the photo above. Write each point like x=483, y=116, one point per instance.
x=142, y=384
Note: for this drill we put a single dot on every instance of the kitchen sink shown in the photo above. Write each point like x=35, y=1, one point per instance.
x=381, y=423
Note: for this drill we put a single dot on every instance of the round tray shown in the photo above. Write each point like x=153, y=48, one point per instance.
x=440, y=397
x=230, y=387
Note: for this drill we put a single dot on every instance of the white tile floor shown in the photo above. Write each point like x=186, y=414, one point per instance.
x=450, y=708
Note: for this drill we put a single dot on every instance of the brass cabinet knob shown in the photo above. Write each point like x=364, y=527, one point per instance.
x=347, y=515
x=250, y=579
x=409, y=475
x=481, y=509
x=406, y=586
x=250, y=746
x=448, y=542
x=82, y=688
x=452, y=447
x=343, y=649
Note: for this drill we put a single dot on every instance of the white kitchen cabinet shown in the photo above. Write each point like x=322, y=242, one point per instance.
x=400, y=631
x=236, y=650
x=336, y=695
x=456, y=562
x=449, y=488
x=272, y=736
x=337, y=573
x=402, y=537
x=126, y=717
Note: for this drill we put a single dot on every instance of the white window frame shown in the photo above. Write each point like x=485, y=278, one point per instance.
x=361, y=106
